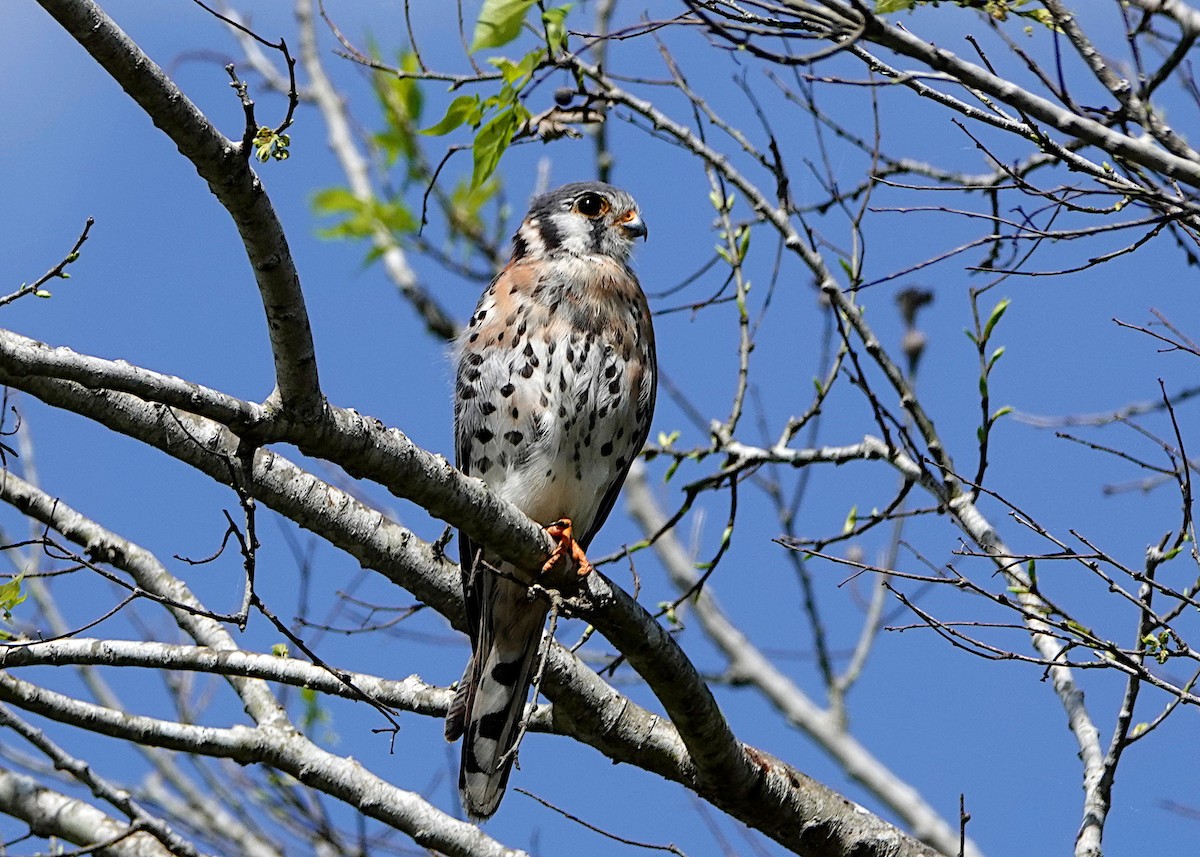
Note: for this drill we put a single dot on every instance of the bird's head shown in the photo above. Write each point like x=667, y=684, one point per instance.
x=582, y=219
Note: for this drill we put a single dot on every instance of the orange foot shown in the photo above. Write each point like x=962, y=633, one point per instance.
x=566, y=546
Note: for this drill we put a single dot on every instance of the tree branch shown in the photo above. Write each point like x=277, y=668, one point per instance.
x=225, y=166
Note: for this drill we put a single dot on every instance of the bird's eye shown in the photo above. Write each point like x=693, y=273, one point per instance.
x=591, y=205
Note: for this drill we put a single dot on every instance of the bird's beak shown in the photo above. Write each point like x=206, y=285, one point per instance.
x=633, y=226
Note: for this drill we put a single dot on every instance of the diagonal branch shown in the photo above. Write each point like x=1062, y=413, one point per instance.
x=747, y=783
x=224, y=164
x=286, y=750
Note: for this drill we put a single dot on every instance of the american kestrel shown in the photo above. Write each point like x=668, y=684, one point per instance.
x=555, y=390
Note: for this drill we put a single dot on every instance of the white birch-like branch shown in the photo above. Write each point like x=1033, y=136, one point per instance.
x=224, y=164
x=52, y=814
x=745, y=782
x=746, y=664
x=286, y=750
x=342, y=143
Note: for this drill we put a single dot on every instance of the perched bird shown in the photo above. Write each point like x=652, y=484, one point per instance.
x=555, y=389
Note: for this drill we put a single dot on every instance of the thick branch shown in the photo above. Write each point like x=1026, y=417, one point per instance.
x=750, y=785
x=287, y=751
x=50, y=814
x=225, y=166
x=748, y=664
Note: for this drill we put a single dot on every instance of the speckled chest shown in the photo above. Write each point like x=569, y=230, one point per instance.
x=555, y=385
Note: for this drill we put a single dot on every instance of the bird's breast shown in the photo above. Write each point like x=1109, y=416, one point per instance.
x=557, y=386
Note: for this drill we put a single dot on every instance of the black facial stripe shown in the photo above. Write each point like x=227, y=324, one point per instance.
x=597, y=233
x=551, y=237
x=520, y=247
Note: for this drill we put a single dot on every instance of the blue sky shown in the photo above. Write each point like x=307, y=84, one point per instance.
x=163, y=283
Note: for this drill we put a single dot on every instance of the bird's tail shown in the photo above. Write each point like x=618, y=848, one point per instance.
x=491, y=697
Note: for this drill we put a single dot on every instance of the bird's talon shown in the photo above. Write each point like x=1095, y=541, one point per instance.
x=566, y=546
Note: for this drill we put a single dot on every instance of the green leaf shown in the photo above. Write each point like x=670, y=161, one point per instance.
x=1079, y=628
x=335, y=200
x=313, y=713
x=492, y=141
x=885, y=7
x=556, y=30
x=516, y=74
x=851, y=520
x=1000, y=412
x=499, y=23
x=994, y=318
x=465, y=108
x=279, y=650
x=669, y=613
x=11, y=595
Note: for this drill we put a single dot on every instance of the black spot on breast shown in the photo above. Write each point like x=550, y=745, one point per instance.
x=607, y=449
x=614, y=386
x=486, y=408
x=514, y=437
x=484, y=435
x=610, y=370
x=472, y=374
x=523, y=327
x=516, y=413
x=621, y=462
x=507, y=390
x=465, y=392
x=483, y=465
x=474, y=359
x=500, y=336
x=528, y=352
x=473, y=337
x=562, y=411
x=551, y=346
x=527, y=370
